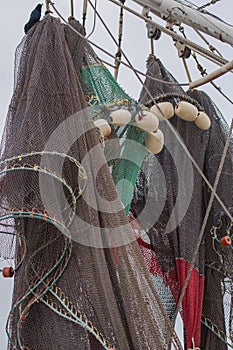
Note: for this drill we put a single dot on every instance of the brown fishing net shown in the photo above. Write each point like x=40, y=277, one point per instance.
x=217, y=331
x=80, y=279
x=179, y=198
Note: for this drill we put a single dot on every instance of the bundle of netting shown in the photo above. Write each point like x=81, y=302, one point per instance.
x=79, y=279
x=217, y=328
x=123, y=121
x=174, y=190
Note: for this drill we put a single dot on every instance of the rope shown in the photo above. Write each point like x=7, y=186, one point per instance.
x=212, y=196
x=152, y=52
x=211, y=47
x=120, y=34
x=212, y=2
x=187, y=70
x=221, y=92
x=94, y=22
x=172, y=96
x=108, y=64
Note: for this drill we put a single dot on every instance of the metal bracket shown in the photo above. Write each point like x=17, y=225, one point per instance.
x=146, y=11
x=183, y=51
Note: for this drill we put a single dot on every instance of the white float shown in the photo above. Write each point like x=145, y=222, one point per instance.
x=147, y=121
x=104, y=127
x=166, y=108
x=203, y=121
x=154, y=141
x=186, y=111
x=120, y=117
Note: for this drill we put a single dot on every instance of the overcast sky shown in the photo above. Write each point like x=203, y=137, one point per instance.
x=16, y=13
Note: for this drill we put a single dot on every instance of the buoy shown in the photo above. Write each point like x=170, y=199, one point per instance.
x=104, y=127
x=186, y=111
x=7, y=272
x=202, y=121
x=166, y=108
x=225, y=241
x=147, y=121
x=154, y=141
x=120, y=117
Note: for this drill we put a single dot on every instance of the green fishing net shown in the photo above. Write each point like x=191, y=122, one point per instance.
x=124, y=150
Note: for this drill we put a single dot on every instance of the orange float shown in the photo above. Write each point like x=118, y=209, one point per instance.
x=225, y=241
x=7, y=272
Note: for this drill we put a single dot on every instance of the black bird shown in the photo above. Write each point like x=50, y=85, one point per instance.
x=34, y=18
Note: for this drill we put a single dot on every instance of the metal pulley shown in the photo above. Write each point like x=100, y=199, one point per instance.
x=153, y=32
x=183, y=51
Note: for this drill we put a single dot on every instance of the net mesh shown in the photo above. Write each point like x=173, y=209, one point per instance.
x=124, y=151
x=179, y=198
x=79, y=285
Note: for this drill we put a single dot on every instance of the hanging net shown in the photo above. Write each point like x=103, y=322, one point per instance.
x=124, y=150
x=80, y=280
x=179, y=197
x=217, y=331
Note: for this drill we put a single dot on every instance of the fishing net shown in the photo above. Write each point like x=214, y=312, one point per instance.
x=80, y=280
x=151, y=184
x=179, y=198
x=217, y=305
x=124, y=149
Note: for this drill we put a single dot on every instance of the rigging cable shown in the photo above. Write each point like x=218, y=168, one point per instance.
x=211, y=47
x=187, y=70
x=212, y=2
x=94, y=21
x=120, y=34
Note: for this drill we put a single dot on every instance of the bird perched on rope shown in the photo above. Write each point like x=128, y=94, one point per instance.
x=34, y=18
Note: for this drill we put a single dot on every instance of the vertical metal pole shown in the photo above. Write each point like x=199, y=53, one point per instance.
x=84, y=12
x=72, y=8
x=47, y=4
x=120, y=34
